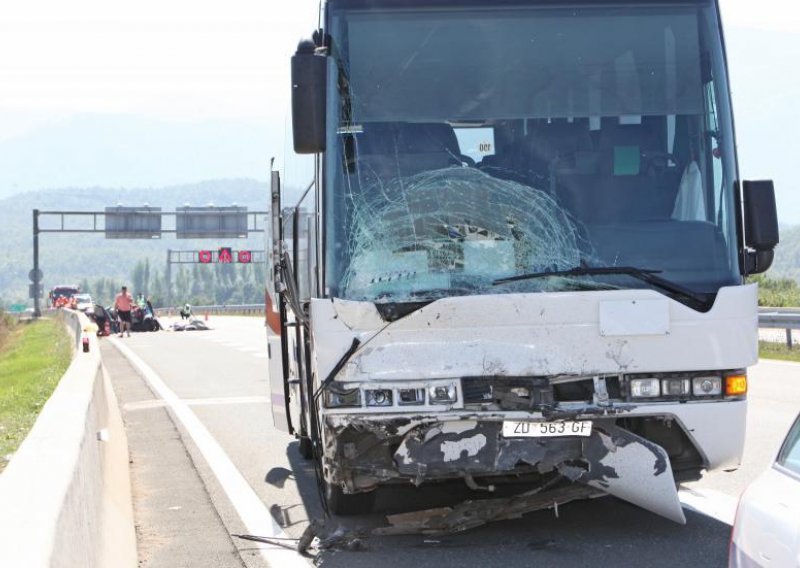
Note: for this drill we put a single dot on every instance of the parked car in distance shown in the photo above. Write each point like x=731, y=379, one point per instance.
x=767, y=527
x=83, y=302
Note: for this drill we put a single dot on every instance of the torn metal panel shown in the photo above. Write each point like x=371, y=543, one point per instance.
x=399, y=425
x=471, y=514
x=453, y=450
x=357, y=452
x=611, y=459
x=443, y=449
x=508, y=393
x=634, y=469
x=481, y=450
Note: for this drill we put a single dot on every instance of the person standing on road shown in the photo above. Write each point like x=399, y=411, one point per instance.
x=123, y=303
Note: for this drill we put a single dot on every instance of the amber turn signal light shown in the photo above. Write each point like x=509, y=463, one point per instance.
x=736, y=385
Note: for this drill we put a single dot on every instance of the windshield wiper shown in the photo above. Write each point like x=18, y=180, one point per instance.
x=676, y=291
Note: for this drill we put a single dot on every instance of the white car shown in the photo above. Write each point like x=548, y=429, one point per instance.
x=767, y=527
x=83, y=302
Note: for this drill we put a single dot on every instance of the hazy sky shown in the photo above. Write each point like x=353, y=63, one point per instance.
x=176, y=59
x=183, y=59
x=192, y=60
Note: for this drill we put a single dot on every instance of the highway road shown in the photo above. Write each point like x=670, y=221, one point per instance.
x=206, y=464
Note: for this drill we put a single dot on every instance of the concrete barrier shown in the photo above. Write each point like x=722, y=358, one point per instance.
x=65, y=496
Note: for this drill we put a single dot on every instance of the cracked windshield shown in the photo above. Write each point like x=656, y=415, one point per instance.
x=589, y=146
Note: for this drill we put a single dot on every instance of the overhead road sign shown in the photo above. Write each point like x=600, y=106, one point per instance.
x=133, y=222
x=211, y=222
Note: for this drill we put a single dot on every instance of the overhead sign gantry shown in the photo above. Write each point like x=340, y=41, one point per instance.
x=146, y=222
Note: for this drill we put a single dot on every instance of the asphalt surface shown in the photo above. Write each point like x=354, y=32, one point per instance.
x=177, y=524
x=185, y=518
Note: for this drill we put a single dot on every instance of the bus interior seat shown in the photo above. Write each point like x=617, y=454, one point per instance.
x=625, y=186
x=529, y=158
x=557, y=143
x=387, y=151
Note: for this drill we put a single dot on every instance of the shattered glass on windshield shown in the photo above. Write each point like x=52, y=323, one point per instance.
x=452, y=229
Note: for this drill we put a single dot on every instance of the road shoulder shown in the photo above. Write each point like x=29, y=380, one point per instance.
x=176, y=522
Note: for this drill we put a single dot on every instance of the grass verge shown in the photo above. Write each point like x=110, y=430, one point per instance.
x=777, y=350
x=32, y=361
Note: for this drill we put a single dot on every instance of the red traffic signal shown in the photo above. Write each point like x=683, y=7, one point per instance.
x=204, y=256
x=245, y=256
x=225, y=255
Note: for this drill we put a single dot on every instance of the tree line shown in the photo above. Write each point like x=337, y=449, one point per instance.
x=777, y=292
x=207, y=284
x=221, y=284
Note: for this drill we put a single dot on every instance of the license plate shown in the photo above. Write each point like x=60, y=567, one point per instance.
x=523, y=429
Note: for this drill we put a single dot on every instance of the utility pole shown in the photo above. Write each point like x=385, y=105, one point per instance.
x=168, y=278
x=36, y=274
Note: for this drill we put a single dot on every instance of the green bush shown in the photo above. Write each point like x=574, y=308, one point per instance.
x=776, y=293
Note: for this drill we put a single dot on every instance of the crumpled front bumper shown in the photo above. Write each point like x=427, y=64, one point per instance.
x=612, y=459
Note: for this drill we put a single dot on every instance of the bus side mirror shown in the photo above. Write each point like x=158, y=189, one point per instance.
x=760, y=224
x=309, y=78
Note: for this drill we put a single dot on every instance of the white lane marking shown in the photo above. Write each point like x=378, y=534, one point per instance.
x=254, y=515
x=214, y=401
x=711, y=503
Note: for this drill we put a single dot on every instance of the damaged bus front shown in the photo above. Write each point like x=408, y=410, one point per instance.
x=522, y=257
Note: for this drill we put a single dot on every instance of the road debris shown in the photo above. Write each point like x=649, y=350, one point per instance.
x=474, y=513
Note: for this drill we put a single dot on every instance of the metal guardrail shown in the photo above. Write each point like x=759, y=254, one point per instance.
x=199, y=311
x=780, y=318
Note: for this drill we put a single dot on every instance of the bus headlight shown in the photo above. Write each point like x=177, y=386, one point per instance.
x=442, y=394
x=342, y=399
x=645, y=388
x=407, y=397
x=676, y=387
x=706, y=386
x=378, y=397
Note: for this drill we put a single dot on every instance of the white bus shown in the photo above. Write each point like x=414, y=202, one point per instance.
x=525, y=250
